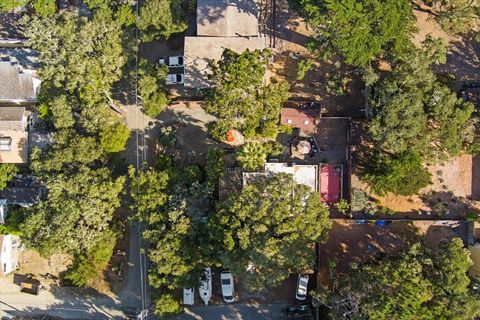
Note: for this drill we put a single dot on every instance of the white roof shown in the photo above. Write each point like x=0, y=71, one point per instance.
x=199, y=50
x=227, y=18
x=302, y=174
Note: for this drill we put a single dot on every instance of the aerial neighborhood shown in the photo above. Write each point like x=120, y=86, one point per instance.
x=240, y=159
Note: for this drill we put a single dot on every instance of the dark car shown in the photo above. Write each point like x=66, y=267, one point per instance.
x=297, y=310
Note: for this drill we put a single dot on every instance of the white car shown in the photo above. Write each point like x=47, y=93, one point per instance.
x=226, y=279
x=172, y=62
x=302, y=285
x=174, y=78
x=188, y=296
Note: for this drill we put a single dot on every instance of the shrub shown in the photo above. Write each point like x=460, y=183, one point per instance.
x=401, y=174
x=166, y=305
x=89, y=266
x=252, y=155
x=342, y=206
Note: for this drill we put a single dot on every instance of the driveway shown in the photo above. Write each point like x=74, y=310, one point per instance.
x=246, y=311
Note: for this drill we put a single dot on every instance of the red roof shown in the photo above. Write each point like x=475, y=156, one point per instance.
x=303, y=118
x=330, y=183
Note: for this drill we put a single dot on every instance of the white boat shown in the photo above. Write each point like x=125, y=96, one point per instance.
x=205, y=288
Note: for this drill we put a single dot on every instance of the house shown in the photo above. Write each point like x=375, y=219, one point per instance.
x=9, y=253
x=303, y=118
x=302, y=174
x=14, y=135
x=25, y=191
x=17, y=86
x=221, y=25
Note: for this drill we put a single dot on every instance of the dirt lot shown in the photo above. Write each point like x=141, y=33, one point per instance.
x=449, y=194
x=349, y=242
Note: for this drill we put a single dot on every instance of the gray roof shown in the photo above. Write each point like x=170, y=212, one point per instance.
x=227, y=18
x=12, y=119
x=21, y=196
x=15, y=85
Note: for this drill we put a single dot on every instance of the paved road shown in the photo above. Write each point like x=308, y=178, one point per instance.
x=247, y=311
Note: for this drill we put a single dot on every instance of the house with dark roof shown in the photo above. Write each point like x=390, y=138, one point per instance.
x=221, y=24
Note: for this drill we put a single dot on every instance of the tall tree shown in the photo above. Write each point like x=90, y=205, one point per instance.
x=269, y=229
x=77, y=212
x=162, y=18
x=419, y=284
x=359, y=30
x=239, y=97
x=413, y=110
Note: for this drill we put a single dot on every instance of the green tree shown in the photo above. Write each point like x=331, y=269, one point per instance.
x=215, y=167
x=435, y=50
x=77, y=212
x=419, y=284
x=268, y=230
x=162, y=18
x=151, y=85
x=252, y=155
x=401, y=174
x=179, y=244
x=45, y=8
x=7, y=172
x=167, y=305
x=359, y=30
x=7, y=5
x=114, y=138
x=90, y=266
x=412, y=110
x=457, y=16
x=240, y=99
x=77, y=55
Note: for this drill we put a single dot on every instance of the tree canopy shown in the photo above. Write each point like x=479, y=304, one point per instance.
x=419, y=284
x=269, y=230
x=239, y=97
x=413, y=110
x=77, y=212
x=162, y=18
x=359, y=30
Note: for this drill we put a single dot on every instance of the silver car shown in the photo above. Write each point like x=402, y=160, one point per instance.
x=302, y=286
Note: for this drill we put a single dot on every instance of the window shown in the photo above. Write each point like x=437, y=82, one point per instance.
x=4, y=267
x=5, y=144
x=305, y=122
x=289, y=121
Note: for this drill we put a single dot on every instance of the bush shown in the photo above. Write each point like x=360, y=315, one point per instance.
x=166, y=305
x=15, y=217
x=342, y=206
x=215, y=166
x=89, y=267
x=401, y=174
x=252, y=155
x=7, y=172
x=45, y=8
x=360, y=200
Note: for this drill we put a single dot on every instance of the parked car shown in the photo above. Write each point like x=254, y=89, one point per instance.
x=302, y=285
x=297, y=310
x=188, y=296
x=174, y=78
x=226, y=279
x=172, y=62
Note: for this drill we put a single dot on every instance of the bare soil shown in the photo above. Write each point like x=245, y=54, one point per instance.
x=449, y=194
x=355, y=243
